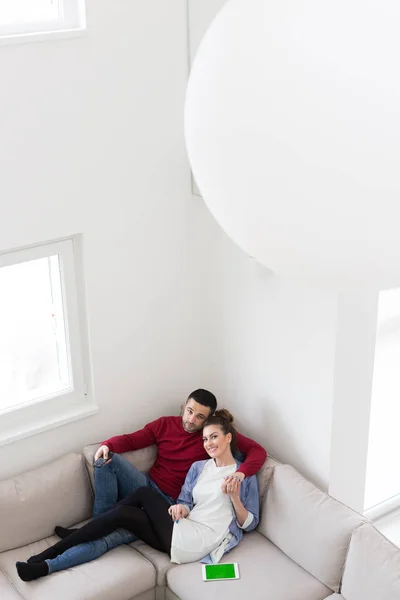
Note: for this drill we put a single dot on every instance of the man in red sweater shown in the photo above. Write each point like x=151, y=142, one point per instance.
x=179, y=443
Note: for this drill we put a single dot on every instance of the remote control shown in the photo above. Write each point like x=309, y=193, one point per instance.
x=100, y=462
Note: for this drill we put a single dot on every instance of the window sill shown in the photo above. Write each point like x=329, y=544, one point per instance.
x=45, y=422
x=47, y=36
x=383, y=508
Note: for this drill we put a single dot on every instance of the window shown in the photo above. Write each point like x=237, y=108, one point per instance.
x=23, y=17
x=42, y=377
x=382, y=490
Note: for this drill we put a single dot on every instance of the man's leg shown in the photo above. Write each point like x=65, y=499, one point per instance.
x=111, y=482
x=88, y=551
x=114, y=481
x=77, y=555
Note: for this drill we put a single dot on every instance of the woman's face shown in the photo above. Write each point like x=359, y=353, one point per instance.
x=215, y=441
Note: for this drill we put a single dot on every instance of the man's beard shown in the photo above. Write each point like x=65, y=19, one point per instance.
x=190, y=428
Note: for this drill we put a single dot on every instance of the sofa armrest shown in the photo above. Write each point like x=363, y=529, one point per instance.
x=33, y=503
x=308, y=525
x=372, y=568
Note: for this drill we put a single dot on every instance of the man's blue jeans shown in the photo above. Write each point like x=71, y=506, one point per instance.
x=112, y=482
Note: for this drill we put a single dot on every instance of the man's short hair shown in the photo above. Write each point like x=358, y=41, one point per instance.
x=205, y=398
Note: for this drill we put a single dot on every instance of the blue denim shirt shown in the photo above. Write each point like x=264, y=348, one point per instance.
x=248, y=496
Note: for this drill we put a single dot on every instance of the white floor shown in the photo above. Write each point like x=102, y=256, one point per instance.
x=389, y=526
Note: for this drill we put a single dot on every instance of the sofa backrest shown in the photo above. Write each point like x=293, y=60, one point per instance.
x=308, y=525
x=33, y=503
x=372, y=570
x=264, y=475
x=143, y=459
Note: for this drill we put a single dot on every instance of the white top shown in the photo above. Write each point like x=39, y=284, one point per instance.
x=207, y=525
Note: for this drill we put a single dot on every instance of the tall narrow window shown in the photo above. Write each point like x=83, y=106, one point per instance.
x=382, y=492
x=41, y=358
x=24, y=17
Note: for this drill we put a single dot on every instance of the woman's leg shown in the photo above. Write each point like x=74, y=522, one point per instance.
x=144, y=513
x=156, y=508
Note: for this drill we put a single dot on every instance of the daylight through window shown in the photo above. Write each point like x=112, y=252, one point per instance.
x=24, y=17
x=41, y=344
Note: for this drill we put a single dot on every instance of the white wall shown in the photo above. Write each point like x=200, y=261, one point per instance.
x=200, y=15
x=274, y=346
x=278, y=341
x=297, y=359
x=92, y=143
x=278, y=361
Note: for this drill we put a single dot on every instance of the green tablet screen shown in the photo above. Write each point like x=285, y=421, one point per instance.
x=220, y=572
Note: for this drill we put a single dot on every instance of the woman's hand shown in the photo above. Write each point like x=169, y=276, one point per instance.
x=231, y=485
x=177, y=512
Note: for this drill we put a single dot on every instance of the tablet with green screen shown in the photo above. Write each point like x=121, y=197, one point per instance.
x=220, y=572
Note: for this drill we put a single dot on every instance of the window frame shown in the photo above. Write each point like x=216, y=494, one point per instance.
x=62, y=407
x=71, y=23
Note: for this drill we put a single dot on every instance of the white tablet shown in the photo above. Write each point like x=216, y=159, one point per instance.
x=220, y=572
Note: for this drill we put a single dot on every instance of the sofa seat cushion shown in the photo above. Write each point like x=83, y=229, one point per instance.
x=120, y=574
x=7, y=589
x=33, y=503
x=265, y=572
x=372, y=568
x=159, y=560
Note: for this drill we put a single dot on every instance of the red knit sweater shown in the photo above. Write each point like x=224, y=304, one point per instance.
x=177, y=450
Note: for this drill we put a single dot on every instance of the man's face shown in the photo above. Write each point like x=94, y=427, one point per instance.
x=194, y=415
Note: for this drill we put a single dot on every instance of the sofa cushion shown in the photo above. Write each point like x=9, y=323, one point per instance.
x=308, y=525
x=372, y=567
x=264, y=475
x=142, y=459
x=33, y=503
x=7, y=589
x=159, y=560
x=149, y=595
x=265, y=573
x=120, y=574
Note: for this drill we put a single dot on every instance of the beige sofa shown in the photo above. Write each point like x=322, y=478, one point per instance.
x=307, y=546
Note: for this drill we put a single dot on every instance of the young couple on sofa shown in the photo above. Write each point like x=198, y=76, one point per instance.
x=187, y=506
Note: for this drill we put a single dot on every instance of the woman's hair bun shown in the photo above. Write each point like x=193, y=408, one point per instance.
x=223, y=413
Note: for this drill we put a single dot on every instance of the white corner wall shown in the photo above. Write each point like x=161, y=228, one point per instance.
x=92, y=143
x=297, y=359
x=276, y=357
x=278, y=341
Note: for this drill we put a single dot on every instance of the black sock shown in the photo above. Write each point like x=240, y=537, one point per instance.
x=46, y=554
x=29, y=572
x=63, y=532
